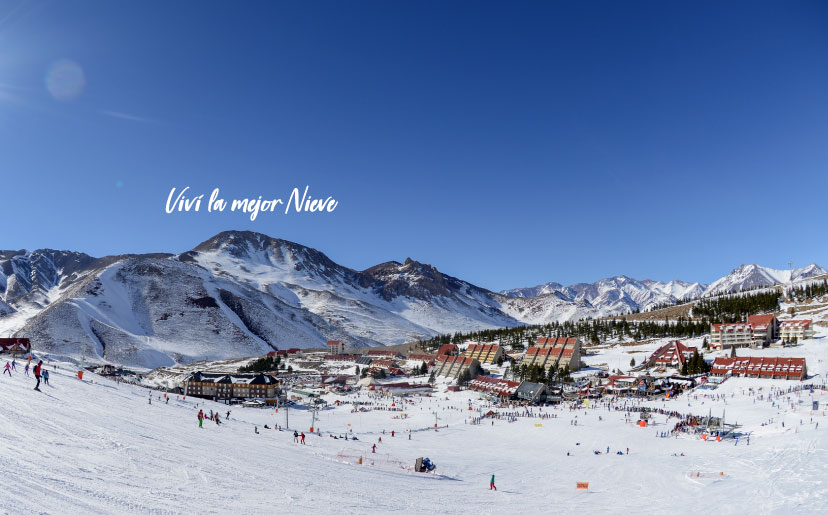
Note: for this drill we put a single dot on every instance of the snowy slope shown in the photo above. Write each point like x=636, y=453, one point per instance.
x=95, y=446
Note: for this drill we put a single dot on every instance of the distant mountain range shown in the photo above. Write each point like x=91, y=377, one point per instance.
x=244, y=293
x=623, y=294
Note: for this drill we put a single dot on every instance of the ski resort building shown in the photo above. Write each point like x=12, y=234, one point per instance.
x=759, y=331
x=766, y=368
x=342, y=357
x=672, y=354
x=428, y=359
x=454, y=366
x=530, y=392
x=765, y=328
x=448, y=349
x=336, y=347
x=795, y=330
x=554, y=352
x=227, y=386
x=15, y=346
x=387, y=354
x=494, y=387
x=488, y=354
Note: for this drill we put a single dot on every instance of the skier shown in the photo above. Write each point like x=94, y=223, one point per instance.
x=37, y=374
x=374, y=449
x=26, y=369
x=45, y=377
x=392, y=434
x=302, y=436
x=228, y=415
x=492, y=485
x=7, y=369
x=628, y=450
x=295, y=437
x=200, y=418
x=14, y=364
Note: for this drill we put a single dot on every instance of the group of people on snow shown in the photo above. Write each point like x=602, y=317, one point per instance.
x=39, y=371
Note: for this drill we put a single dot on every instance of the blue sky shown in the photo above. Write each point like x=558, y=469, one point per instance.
x=508, y=144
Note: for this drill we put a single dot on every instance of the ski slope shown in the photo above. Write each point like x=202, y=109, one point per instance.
x=95, y=446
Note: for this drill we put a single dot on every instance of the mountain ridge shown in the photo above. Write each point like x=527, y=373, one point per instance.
x=243, y=293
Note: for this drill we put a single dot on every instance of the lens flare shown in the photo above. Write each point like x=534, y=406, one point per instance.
x=65, y=80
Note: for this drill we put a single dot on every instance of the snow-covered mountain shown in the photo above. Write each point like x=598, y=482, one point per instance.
x=748, y=277
x=623, y=294
x=236, y=294
x=619, y=294
x=244, y=293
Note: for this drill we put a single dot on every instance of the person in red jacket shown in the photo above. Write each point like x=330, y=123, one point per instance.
x=37, y=369
x=200, y=418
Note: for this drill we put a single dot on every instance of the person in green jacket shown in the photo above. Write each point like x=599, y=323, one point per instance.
x=492, y=485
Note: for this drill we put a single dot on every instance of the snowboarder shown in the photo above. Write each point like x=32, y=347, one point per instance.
x=7, y=369
x=200, y=418
x=492, y=485
x=37, y=374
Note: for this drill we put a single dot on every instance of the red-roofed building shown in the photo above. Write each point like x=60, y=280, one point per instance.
x=336, y=347
x=765, y=329
x=672, y=354
x=382, y=363
x=454, y=366
x=484, y=353
x=767, y=368
x=795, y=330
x=497, y=387
x=759, y=331
x=427, y=358
x=554, y=352
x=15, y=345
x=448, y=349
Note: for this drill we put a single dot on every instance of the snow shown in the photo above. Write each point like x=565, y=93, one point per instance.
x=96, y=446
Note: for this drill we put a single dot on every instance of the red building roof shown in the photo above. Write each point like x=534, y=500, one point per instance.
x=761, y=367
x=499, y=387
x=447, y=348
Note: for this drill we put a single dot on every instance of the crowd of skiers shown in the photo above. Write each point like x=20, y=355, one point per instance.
x=39, y=372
